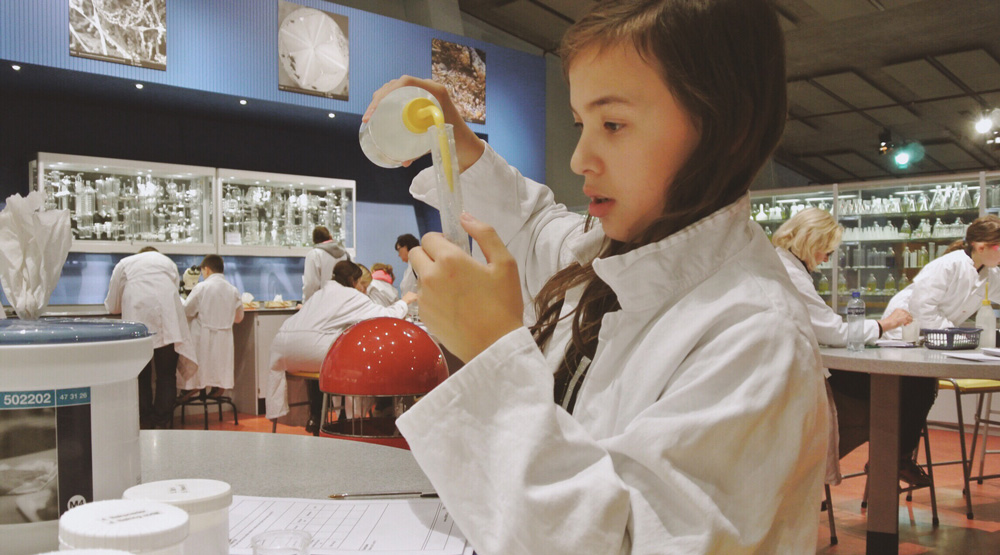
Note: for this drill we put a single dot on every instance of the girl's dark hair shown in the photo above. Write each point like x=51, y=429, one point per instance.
x=346, y=273
x=981, y=230
x=407, y=240
x=724, y=61
x=321, y=235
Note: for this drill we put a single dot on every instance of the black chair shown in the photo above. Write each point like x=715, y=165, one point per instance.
x=204, y=400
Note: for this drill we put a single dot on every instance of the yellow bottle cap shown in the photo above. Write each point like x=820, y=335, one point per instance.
x=418, y=114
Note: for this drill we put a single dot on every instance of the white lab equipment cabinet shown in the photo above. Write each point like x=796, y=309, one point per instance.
x=892, y=228
x=120, y=206
x=271, y=214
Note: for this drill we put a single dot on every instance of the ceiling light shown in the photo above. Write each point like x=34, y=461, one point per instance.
x=909, y=153
x=15, y=67
x=331, y=115
x=243, y=102
x=984, y=124
x=138, y=85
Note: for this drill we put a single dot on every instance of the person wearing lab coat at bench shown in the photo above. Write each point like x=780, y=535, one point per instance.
x=212, y=308
x=804, y=242
x=381, y=289
x=950, y=289
x=664, y=393
x=404, y=243
x=303, y=339
x=144, y=289
x=320, y=261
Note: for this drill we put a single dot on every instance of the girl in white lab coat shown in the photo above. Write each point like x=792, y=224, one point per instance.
x=381, y=289
x=950, y=289
x=303, y=339
x=667, y=396
x=806, y=240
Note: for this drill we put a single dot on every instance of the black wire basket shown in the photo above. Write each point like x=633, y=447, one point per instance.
x=951, y=339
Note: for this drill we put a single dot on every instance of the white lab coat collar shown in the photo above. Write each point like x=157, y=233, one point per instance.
x=678, y=262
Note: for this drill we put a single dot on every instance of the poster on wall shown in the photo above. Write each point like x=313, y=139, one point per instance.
x=121, y=31
x=463, y=70
x=312, y=51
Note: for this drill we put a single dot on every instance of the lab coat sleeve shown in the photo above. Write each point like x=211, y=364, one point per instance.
x=930, y=293
x=829, y=327
x=520, y=475
x=524, y=213
x=113, y=302
x=193, y=302
x=311, y=279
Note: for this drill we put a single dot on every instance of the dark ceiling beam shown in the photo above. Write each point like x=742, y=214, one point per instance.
x=906, y=104
x=552, y=11
x=839, y=167
x=853, y=108
x=954, y=79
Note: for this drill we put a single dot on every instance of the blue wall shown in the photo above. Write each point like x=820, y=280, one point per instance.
x=229, y=47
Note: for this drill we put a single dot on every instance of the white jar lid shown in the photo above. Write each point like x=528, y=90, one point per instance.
x=134, y=526
x=194, y=495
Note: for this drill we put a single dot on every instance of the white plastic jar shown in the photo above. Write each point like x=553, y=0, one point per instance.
x=138, y=527
x=88, y=552
x=207, y=504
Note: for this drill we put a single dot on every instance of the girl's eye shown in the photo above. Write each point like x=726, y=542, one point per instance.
x=612, y=126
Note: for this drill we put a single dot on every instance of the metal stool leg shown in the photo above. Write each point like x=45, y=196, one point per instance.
x=965, y=456
x=930, y=472
x=829, y=515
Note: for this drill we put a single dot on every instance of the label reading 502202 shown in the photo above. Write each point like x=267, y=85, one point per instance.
x=44, y=398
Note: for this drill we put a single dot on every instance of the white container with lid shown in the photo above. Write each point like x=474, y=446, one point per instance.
x=88, y=552
x=207, y=504
x=144, y=527
x=70, y=402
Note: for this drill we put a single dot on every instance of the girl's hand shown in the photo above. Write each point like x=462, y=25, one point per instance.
x=467, y=144
x=466, y=304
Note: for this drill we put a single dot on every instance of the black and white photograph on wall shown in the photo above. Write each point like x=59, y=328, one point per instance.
x=121, y=31
x=463, y=70
x=313, y=56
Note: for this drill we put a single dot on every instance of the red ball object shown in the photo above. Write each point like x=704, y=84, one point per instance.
x=383, y=356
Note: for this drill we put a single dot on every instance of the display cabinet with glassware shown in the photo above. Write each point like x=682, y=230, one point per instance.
x=120, y=206
x=270, y=214
x=893, y=228
x=772, y=208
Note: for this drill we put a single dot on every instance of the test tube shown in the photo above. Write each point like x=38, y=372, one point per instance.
x=448, y=185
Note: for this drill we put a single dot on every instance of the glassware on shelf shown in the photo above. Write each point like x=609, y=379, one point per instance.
x=922, y=257
x=964, y=199
x=909, y=204
x=940, y=200
x=905, y=229
x=761, y=214
x=872, y=285
x=890, y=285
x=903, y=282
x=906, y=256
x=841, y=284
x=922, y=203
x=823, y=287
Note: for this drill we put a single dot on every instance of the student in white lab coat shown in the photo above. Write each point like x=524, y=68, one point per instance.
x=667, y=396
x=950, y=289
x=303, y=339
x=404, y=243
x=144, y=288
x=381, y=290
x=804, y=242
x=320, y=261
x=212, y=308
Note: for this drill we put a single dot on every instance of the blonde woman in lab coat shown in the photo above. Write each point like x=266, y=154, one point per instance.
x=303, y=339
x=212, y=308
x=667, y=396
x=950, y=289
x=804, y=242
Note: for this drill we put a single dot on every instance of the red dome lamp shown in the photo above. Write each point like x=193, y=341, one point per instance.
x=377, y=369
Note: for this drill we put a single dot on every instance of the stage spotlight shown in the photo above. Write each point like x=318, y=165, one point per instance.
x=884, y=141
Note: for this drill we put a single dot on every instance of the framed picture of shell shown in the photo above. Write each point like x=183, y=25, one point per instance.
x=121, y=31
x=313, y=54
x=463, y=70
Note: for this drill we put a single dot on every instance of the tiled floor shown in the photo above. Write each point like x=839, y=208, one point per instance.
x=956, y=534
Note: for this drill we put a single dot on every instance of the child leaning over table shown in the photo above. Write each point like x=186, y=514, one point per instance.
x=212, y=308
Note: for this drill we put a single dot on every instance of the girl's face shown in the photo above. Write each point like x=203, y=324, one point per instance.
x=634, y=137
x=989, y=255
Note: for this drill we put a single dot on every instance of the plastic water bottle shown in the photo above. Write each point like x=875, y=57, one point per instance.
x=856, y=322
x=987, y=321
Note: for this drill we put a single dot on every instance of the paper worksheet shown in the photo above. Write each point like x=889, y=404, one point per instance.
x=343, y=527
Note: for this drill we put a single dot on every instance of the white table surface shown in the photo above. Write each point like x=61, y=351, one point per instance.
x=279, y=465
x=887, y=366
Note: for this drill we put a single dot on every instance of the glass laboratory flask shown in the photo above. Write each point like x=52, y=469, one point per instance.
x=872, y=285
x=392, y=137
x=823, y=287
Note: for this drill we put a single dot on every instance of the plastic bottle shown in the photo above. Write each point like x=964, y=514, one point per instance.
x=824, y=285
x=856, y=322
x=890, y=285
x=987, y=321
x=872, y=285
x=842, y=284
x=903, y=282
